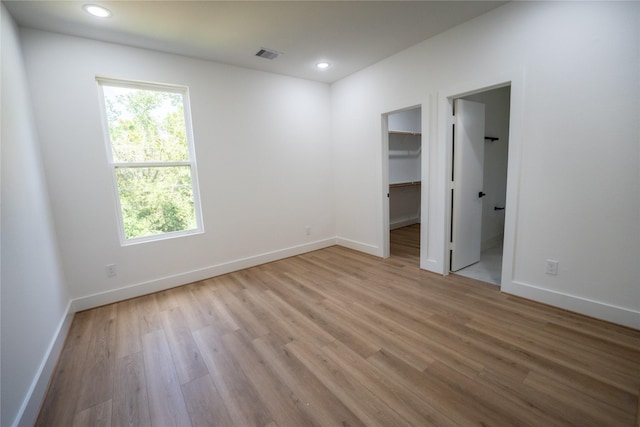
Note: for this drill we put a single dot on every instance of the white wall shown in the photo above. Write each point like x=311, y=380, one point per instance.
x=34, y=299
x=496, y=153
x=264, y=158
x=576, y=162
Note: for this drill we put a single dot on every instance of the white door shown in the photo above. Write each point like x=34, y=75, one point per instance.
x=468, y=160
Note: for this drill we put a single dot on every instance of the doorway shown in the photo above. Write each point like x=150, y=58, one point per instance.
x=478, y=240
x=404, y=191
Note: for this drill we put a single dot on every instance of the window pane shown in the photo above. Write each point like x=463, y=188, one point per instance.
x=145, y=125
x=156, y=200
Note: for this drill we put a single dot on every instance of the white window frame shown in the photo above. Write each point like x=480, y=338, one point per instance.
x=113, y=166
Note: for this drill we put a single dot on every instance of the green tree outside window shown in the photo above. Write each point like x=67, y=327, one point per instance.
x=151, y=160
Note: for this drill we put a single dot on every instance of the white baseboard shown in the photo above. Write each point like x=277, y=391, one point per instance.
x=599, y=310
x=161, y=284
x=30, y=409
x=360, y=247
x=404, y=222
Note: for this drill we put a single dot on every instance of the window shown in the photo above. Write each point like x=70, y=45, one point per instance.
x=151, y=155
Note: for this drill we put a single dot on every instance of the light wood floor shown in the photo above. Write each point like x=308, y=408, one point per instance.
x=338, y=338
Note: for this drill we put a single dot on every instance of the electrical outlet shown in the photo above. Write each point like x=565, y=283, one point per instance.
x=552, y=267
x=111, y=270
x=307, y=230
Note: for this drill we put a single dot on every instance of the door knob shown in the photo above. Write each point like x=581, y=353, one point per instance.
x=481, y=194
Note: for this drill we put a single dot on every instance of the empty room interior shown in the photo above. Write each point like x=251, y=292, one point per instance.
x=307, y=213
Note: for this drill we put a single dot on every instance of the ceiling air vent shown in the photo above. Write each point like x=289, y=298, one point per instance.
x=268, y=53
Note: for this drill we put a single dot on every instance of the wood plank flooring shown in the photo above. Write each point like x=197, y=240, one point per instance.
x=339, y=338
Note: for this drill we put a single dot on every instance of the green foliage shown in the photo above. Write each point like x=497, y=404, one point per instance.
x=145, y=125
x=148, y=126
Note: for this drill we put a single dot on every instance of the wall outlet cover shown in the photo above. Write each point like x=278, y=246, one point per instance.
x=552, y=267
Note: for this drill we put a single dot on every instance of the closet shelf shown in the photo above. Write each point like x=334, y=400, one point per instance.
x=405, y=184
x=405, y=153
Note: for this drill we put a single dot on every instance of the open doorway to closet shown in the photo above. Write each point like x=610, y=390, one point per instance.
x=404, y=132
x=479, y=177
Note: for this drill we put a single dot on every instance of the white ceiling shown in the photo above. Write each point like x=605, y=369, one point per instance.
x=350, y=35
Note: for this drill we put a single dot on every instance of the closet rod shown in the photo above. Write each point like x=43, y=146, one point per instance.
x=401, y=132
x=491, y=138
x=405, y=184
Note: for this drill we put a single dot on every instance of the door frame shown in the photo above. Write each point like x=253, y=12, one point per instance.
x=445, y=134
x=386, y=227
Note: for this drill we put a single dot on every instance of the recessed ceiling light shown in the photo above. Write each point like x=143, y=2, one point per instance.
x=322, y=65
x=97, y=11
